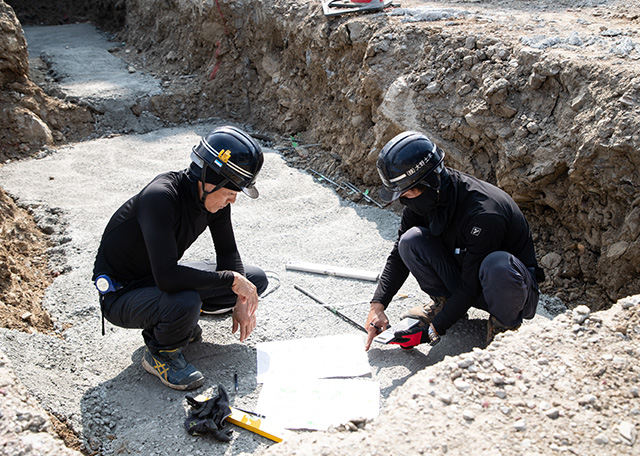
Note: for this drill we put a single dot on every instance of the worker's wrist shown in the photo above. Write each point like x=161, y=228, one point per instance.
x=236, y=280
x=378, y=306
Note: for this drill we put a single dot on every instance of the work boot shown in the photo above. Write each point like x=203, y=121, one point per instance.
x=172, y=369
x=494, y=327
x=426, y=312
x=196, y=336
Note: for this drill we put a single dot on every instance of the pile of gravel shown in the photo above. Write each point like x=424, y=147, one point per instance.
x=570, y=385
x=25, y=428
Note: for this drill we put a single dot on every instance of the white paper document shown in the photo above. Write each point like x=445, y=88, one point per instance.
x=317, y=404
x=320, y=357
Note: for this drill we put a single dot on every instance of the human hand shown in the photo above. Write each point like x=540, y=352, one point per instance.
x=246, y=291
x=377, y=322
x=243, y=319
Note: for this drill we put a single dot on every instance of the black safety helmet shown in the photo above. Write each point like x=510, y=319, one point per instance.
x=409, y=159
x=227, y=157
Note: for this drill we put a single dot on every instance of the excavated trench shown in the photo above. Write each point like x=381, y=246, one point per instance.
x=557, y=128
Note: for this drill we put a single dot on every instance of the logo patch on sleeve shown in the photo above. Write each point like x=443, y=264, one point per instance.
x=475, y=231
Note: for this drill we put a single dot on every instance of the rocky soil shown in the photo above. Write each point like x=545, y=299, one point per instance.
x=30, y=119
x=570, y=386
x=25, y=269
x=25, y=427
x=541, y=98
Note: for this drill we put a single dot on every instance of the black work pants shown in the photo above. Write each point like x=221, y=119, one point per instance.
x=509, y=289
x=168, y=319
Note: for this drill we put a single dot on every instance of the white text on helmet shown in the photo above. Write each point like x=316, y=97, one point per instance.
x=417, y=167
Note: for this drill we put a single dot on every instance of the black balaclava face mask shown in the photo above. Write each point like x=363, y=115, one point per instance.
x=435, y=205
x=423, y=204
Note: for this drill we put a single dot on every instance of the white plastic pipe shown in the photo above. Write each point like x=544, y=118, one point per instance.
x=333, y=270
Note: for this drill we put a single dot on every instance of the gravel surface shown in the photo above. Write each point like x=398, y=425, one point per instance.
x=96, y=382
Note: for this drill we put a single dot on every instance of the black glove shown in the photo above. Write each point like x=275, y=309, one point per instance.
x=208, y=416
x=419, y=334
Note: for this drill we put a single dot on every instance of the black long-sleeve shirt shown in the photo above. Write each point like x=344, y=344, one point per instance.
x=149, y=233
x=484, y=219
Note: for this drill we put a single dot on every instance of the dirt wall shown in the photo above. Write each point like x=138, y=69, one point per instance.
x=29, y=118
x=109, y=14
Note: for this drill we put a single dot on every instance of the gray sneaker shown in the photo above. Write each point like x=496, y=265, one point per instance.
x=172, y=369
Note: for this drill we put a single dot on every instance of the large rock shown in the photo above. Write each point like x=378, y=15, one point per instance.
x=30, y=119
x=14, y=62
x=19, y=124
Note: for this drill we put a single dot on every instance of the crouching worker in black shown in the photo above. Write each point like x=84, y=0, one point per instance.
x=464, y=240
x=138, y=272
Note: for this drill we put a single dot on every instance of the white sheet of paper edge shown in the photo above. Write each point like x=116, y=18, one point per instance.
x=317, y=404
x=319, y=357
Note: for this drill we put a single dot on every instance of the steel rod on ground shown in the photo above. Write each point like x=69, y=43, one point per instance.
x=327, y=179
x=331, y=309
x=300, y=146
x=367, y=197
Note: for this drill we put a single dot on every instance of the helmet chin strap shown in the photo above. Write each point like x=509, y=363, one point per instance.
x=437, y=189
x=215, y=189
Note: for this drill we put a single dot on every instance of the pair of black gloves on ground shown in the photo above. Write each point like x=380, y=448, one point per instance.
x=208, y=417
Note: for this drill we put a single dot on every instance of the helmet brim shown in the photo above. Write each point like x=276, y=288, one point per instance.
x=388, y=196
x=251, y=191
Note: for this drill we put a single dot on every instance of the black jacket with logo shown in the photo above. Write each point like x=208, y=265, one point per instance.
x=149, y=233
x=479, y=219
